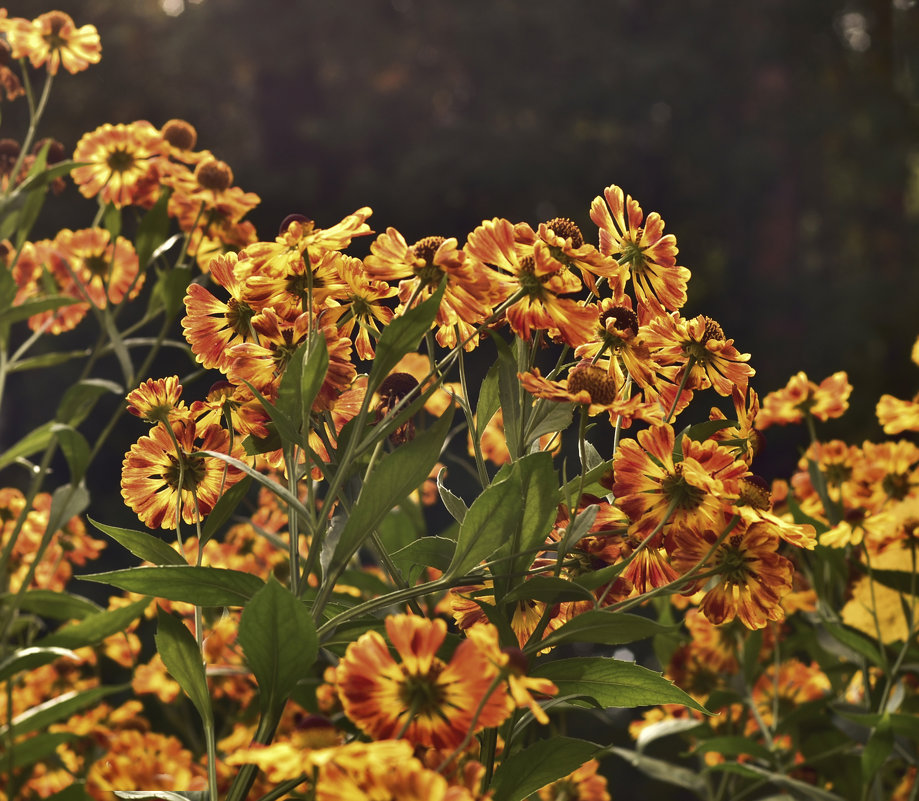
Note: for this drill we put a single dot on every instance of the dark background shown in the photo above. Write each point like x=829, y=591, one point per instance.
x=777, y=139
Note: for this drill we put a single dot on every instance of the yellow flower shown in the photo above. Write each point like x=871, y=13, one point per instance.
x=55, y=40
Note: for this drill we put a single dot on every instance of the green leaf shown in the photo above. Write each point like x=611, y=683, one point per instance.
x=279, y=641
x=854, y=644
x=56, y=605
x=67, y=502
x=425, y=552
x=903, y=725
x=732, y=747
x=76, y=792
x=37, y=748
x=549, y=418
x=202, y=586
x=56, y=709
x=142, y=544
x=33, y=657
x=549, y=590
x=539, y=504
x=153, y=229
x=179, y=651
x=455, y=506
x=111, y=220
x=488, y=402
x=224, y=508
x=80, y=398
x=663, y=771
x=605, y=628
x=492, y=514
x=397, y=474
x=94, y=628
x=46, y=360
x=542, y=763
x=75, y=449
x=613, y=683
x=169, y=290
x=878, y=748
x=795, y=785
x=402, y=336
x=579, y=529
x=900, y=580
x=27, y=308
x=33, y=442
x=509, y=395
x=299, y=387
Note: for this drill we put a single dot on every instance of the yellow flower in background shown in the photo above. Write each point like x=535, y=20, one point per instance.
x=878, y=610
x=55, y=40
x=801, y=397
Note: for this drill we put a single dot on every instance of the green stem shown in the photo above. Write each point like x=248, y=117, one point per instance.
x=690, y=363
x=35, y=114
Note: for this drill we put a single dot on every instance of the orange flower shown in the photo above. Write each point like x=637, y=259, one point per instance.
x=419, y=698
x=211, y=326
x=362, y=307
x=751, y=577
x=649, y=255
x=155, y=400
x=105, y=272
x=539, y=279
x=121, y=168
x=802, y=397
x=419, y=268
x=743, y=439
x=55, y=40
x=897, y=416
x=583, y=784
x=152, y=471
x=715, y=362
x=41, y=271
x=648, y=481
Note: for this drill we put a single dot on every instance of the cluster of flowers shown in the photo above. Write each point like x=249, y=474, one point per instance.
x=676, y=513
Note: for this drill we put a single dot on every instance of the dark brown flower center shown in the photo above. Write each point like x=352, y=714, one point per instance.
x=238, y=316
x=712, y=330
x=120, y=160
x=621, y=317
x=565, y=228
x=598, y=383
x=425, y=249
x=180, y=134
x=678, y=489
x=754, y=491
x=97, y=264
x=191, y=469
x=214, y=175
x=421, y=693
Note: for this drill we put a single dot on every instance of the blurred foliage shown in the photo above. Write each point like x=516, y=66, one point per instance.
x=775, y=138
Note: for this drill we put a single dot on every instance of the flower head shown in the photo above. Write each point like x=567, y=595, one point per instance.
x=55, y=40
x=802, y=397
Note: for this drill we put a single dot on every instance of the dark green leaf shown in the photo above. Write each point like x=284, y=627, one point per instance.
x=539, y=504
x=455, y=506
x=900, y=580
x=111, y=220
x=76, y=792
x=509, y=395
x=732, y=747
x=397, y=474
x=94, y=628
x=612, y=683
x=153, y=229
x=878, y=748
x=66, y=502
x=179, y=651
x=854, y=644
x=425, y=552
x=202, y=586
x=55, y=709
x=46, y=360
x=402, y=336
x=299, y=387
x=169, y=290
x=795, y=785
x=488, y=402
x=27, y=308
x=57, y=605
x=80, y=398
x=36, y=440
x=33, y=657
x=75, y=449
x=605, y=628
x=547, y=589
x=37, y=748
x=542, y=763
x=548, y=417
x=224, y=508
x=493, y=513
x=142, y=544
x=279, y=641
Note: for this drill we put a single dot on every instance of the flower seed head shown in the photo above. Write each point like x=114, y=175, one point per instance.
x=565, y=228
x=180, y=134
x=214, y=175
x=598, y=383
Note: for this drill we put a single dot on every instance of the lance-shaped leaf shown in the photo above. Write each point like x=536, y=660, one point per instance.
x=33, y=442
x=606, y=628
x=55, y=604
x=80, y=398
x=542, y=763
x=33, y=657
x=402, y=336
x=179, y=651
x=95, y=628
x=300, y=385
x=279, y=641
x=663, y=771
x=495, y=513
x=224, y=509
x=613, y=683
x=147, y=546
x=153, y=229
x=37, y=748
x=75, y=449
x=509, y=395
x=394, y=478
x=55, y=709
x=202, y=586
x=539, y=505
